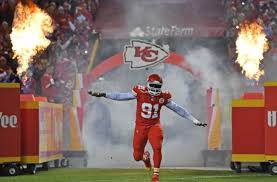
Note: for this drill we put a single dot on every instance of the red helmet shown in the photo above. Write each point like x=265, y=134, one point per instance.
x=154, y=84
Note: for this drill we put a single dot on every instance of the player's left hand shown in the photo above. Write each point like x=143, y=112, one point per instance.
x=198, y=123
x=97, y=94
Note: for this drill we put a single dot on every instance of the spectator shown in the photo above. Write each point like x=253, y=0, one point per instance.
x=5, y=41
x=48, y=84
x=11, y=77
x=6, y=10
x=3, y=63
x=5, y=29
x=63, y=20
x=82, y=14
x=2, y=75
x=51, y=9
x=29, y=83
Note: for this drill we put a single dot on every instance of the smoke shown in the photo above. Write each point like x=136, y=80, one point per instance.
x=215, y=70
x=110, y=147
x=113, y=148
x=109, y=144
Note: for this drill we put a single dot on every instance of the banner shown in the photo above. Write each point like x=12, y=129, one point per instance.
x=214, y=119
x=164, y=31
x=50, y=129
x=10, y=124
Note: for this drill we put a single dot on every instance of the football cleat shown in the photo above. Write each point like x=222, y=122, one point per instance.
x=155, y=177
x=154, y=84
x=147, y=161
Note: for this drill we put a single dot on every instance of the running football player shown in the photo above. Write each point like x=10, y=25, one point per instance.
x=150, y=100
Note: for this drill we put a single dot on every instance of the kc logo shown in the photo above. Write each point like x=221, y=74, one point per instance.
x=147, y=54
x=8, y=121
x=141, y=54
x=271, y=119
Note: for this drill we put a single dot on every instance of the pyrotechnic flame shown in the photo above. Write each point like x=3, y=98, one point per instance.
x=251, y=44
x=31, y=25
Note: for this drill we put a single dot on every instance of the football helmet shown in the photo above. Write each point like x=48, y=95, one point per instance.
x=154, y=84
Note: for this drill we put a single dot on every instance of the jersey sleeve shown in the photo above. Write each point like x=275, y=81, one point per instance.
x=136, y=90
x=167, y=96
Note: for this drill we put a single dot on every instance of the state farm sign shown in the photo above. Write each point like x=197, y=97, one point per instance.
x=8, y=121
x=173, y=31
x=170, y=31
x=178, y=31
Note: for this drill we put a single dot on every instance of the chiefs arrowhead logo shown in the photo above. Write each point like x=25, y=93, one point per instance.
x=141, y=54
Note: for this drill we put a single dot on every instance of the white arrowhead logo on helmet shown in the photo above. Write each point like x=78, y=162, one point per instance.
x=142, y=54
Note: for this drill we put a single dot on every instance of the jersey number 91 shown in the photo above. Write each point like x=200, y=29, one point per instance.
x=149, y=111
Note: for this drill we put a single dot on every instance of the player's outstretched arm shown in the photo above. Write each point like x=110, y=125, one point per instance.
x=184, y=113
x=114, y=95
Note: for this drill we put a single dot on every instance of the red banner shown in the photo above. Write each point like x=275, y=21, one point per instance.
x=10, y=124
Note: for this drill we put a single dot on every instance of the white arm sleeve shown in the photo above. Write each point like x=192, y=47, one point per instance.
x=181, y=111
x=120, y=96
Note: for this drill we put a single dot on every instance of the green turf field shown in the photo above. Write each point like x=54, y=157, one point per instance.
x=139, y=175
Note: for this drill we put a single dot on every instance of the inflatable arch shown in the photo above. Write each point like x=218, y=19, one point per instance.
x=117, y=60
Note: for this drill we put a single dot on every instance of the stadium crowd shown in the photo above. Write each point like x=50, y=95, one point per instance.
x=55, y=70
x=238, y=11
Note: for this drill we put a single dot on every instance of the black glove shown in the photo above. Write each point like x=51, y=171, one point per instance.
x=97, y=94
x=201, y=124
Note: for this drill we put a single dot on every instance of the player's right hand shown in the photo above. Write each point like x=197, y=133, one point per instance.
x=96, y=94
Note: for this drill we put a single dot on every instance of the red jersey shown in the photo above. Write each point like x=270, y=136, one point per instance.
x=148, y=106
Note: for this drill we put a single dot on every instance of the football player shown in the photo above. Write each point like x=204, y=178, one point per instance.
x=150, y=100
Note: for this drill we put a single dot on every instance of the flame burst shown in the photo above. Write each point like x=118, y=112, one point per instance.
x=250, y=46
x=31, y=25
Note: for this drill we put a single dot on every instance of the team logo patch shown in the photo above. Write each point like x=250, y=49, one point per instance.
x=161, y=100
x=142, y=54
